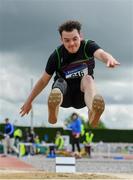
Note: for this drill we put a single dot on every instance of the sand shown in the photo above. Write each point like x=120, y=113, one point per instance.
x=11, y=174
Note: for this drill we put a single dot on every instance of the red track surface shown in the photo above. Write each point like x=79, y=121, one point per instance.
x=14, y=163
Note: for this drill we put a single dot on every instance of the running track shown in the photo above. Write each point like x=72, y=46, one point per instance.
x=14, y=163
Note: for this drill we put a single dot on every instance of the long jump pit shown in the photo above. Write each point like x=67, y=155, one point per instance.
x=14, y=168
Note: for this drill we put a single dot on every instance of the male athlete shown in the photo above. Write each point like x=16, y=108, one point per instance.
x=73, y=62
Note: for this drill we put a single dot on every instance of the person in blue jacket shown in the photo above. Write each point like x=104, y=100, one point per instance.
x=9, y=138
x=75, y=127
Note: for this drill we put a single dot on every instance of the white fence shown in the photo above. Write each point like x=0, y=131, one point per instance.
x=109, y=149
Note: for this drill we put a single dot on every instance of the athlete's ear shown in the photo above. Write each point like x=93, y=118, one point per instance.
x=61, y=39
x=81, y=36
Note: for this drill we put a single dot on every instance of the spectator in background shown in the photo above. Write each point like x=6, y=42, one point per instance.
x=46, y=138
x=29, y=139
x=18, y=136
x=36, y=139
x=59, y=141
x=75, y=126
x=36, y=144
x=29, y=135
x=88, y=137
x=9, y=139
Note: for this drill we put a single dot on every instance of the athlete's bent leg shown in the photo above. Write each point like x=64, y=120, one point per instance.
x=93, y=101
x=89, y=89
x=55, y=99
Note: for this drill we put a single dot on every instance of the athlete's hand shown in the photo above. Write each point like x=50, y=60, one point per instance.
x=25, y=109
x=77, y=135
x=107, y=58
x=111, y=63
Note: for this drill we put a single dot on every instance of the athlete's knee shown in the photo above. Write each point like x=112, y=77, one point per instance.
x=86, y=82
x=87, y=79
x=61, y=84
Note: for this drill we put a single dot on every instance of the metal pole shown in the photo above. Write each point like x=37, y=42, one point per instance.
x=31, y=114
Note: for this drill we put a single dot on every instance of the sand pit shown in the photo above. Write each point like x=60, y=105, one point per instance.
x=39, y=167
x=8, y=174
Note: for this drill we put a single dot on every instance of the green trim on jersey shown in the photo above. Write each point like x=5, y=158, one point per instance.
x=59, y=60
x=86, y=56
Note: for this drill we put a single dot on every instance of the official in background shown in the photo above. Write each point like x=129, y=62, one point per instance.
x=59, y=141
x=87, y=142
x=18, y=137
x=9, y=139
x=75, y=126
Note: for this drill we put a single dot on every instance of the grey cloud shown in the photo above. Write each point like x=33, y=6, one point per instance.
x=124, y=100
x=29, y=28
x=34, y=22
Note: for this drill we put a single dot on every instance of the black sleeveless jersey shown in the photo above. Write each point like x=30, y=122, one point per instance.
x=76, y=65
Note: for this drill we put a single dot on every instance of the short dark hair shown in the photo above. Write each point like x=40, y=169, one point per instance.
x=6, y=119
x=74, y=114
x=69, y=26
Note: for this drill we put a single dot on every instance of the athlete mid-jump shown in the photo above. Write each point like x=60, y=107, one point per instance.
x=73, y=62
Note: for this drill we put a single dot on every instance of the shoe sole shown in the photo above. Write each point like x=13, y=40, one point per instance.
x=53, y=103
x=98, y=107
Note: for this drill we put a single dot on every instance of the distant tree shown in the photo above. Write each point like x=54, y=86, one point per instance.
x=101, y=125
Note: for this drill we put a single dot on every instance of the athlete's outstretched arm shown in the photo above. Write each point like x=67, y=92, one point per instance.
x=106, y=58
x=39, y=86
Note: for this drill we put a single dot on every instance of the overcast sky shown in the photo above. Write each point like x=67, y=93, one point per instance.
x=28, y=35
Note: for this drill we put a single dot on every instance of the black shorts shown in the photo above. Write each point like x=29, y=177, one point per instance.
x=72, y=95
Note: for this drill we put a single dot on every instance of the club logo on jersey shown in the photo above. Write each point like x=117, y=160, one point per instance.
x=77, y=71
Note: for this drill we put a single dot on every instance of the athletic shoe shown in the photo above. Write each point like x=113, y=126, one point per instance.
x=98, y=107
x=54, y=101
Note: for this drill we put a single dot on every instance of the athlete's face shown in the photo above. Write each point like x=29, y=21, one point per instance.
x=71, y=40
